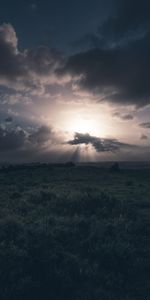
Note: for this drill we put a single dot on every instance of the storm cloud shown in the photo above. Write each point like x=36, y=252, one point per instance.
x=115, y=64
x=124, y=117
x=41, y=135
x=130, y=20
x=14, y=138
x=144, y=137
x=99, y=144
x=145, y=125
x=35, y=145
x=28, y=68
x=117, y=75
x=114, y=72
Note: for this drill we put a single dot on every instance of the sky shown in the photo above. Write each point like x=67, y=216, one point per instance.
x=74, y=80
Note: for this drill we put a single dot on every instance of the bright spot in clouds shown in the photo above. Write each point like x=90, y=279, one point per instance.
x=82, y=125
x=81, y=120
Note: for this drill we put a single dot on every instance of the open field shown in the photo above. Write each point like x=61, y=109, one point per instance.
x=74, y=233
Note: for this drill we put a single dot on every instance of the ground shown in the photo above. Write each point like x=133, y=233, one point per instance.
x=74, y=232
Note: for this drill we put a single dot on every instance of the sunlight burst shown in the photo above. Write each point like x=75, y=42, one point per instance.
x=82, y=125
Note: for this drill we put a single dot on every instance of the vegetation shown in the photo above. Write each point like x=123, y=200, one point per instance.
x=74, y=233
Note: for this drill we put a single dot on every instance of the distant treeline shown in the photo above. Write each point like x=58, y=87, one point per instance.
x=36, y=166
x=114, y=167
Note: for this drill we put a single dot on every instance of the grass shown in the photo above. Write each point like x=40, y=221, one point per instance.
x=71, y=233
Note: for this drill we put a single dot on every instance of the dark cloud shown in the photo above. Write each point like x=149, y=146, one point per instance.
x=28, y=68
x=43, y=60
x=11, y=139
x=119, y=75
x=116, y=63
x=144, y=137
x=43, y=144
x=145, y=125
x=11, y=65
x=16, y=138
x=130, y=20
x=124, y=117
x=100, y=144
x=9, y=120
x=41, y=136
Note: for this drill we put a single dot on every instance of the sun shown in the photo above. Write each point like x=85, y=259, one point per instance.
x=75, y=122
x=82, y=125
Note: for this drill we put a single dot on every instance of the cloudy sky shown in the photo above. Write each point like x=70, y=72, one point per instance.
x=74, y=80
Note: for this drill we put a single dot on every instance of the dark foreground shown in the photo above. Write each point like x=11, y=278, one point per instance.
x=72, y=233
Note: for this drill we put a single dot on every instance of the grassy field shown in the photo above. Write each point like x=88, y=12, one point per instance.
x=72, y=233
